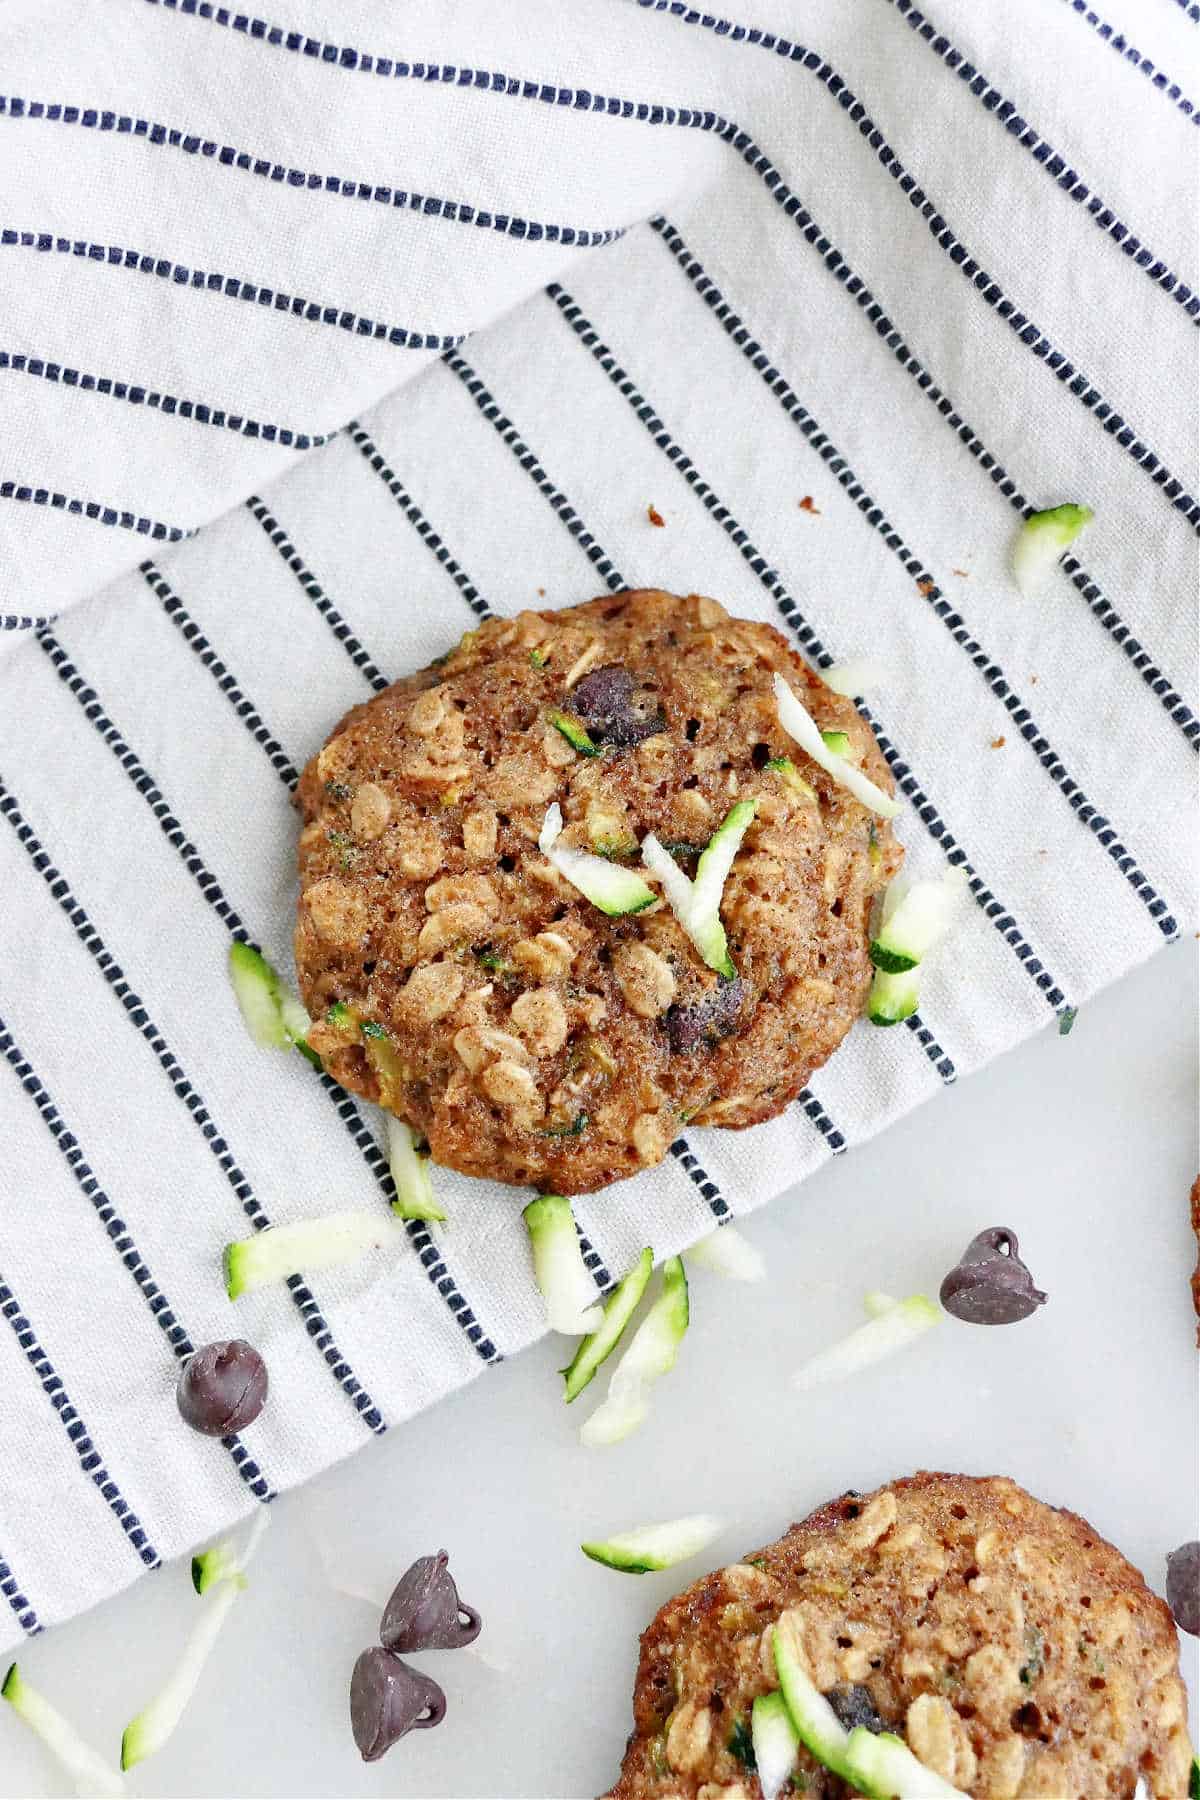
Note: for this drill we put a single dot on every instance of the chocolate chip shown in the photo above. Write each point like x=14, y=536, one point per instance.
x=223, y=1387
x=387, y=1700
x=854, y=1706
x=711, y=1019
x=425, y=1612
x=1183, y=1586
x=991, y=1285
x=603, y=699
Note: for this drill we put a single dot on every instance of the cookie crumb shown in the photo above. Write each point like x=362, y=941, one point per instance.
x=999, y=743
x=541, y=593
x=926, y=586
x=654, y=516
x=806, y=505
x=965, y=573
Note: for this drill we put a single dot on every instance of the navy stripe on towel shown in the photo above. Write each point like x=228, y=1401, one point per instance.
x=363, y=661
x=999, y=915
x=682, y=1151
x=533, y=468
x=1172, y=701
x=196, y=641
x=429, y=206
x=302, y=1296
x=419, y=522
x=1043, y=152
x=593, y=1262
x=932, y=1048
x=90, y=1460
x=121, y=1239
x=813, y=1109
x=931, y=594
x=232, y=287
x=428, y=1252
x=168, y=404
x=97, y=510
x=694, y=119
x=1056, y=165
x=150, y=792
x=616, y=582
x=1130, y=54
x=26, y=1617
x=23, y=622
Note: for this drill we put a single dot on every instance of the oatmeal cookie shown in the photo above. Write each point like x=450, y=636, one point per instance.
x=1014, y=1650
x=457, y=977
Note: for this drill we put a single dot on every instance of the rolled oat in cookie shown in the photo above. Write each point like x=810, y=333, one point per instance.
x=1013, y=1650
x=458, y=975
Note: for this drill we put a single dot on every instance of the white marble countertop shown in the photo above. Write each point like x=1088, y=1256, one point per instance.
x=1085, y=1146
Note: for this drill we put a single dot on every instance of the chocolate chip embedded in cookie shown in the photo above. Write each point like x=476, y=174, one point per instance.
x=480, y=943
x=1010, y=1648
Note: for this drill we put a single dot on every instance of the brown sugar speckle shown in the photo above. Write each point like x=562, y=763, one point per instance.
x=654, y=516
x=806, y=505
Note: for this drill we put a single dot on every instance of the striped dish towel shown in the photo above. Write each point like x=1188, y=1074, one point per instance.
x=839, y=310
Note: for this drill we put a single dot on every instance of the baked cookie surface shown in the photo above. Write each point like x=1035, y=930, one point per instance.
x=526, y=1034
x=1195, y=1218
x=1015, y=1650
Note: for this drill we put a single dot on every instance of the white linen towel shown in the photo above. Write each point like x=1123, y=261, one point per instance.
x=839, y=310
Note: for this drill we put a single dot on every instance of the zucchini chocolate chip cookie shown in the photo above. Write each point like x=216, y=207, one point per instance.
x=944, y=1635
x=576, y=884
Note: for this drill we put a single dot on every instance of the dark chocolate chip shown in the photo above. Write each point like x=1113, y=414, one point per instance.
x=603, y=693
x=990, y=1285
x=387, y=1700
x=604, y=700
x=223, y=1387
x=425, y=1612
x=1183, y=1586
x=854, y=1706
x=709, y=1020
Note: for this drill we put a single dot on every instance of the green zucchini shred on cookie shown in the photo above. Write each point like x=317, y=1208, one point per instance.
x=785, y=768
x=697, y=904
x=575, y=1128
x=575, y=733
x=740, y=1744
x=1035, y=1648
